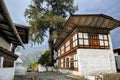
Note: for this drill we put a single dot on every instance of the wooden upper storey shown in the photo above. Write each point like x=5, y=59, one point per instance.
x=86, y=40
x=100, y=22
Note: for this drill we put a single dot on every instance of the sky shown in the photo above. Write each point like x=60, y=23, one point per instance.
x=109, y=7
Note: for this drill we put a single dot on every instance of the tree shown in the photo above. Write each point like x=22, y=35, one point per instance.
x=48, y=15
x=45, y=59
x=34, y=66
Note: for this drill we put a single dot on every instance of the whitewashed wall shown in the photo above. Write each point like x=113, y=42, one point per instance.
x=43, y=68
x=95, y=61
x=1, y=62
x=4, y=44
x=7, y=73
x=92, y=61
x=19, y=68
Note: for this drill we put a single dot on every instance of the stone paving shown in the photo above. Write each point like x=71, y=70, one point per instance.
x=47, y=76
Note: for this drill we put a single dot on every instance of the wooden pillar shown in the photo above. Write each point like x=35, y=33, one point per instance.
x=1, y=62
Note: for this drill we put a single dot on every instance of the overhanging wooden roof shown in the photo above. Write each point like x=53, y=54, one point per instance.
x=23, y=32
x=7, y=33
x=7, y=54
x=7, y=29
x=89, y=20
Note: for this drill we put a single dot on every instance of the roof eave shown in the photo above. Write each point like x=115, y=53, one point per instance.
x=8, y=18
x=116, y=22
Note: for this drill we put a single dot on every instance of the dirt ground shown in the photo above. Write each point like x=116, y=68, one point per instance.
x=47, y=76
x=61, y=76
x=111, y=76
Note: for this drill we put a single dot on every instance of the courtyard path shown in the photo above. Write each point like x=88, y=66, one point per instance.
x=47, y=76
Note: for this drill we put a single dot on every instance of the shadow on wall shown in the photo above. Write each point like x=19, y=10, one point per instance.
x=117, y=59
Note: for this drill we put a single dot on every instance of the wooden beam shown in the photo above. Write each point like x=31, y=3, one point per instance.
x=9, y=55
x=9, y=38
x=12, y=39
x=93, y=29
x=4, y=36
x=8, y=33
x=14, y=42
x=5, y=27
x=101, y=22
x=2, y=21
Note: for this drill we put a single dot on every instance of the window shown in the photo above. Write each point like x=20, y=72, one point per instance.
x=75, y=61
x=67, y=46
x=75, y=40
x=62, y=49
x=8, y=63
x=90, y=40
x=61, y=63
x=58, y=52
x=67, y=62
x=71, y=63
x=103, y=40
x=93, y=40
x=83, y=38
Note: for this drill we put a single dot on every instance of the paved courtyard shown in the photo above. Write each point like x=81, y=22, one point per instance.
x=47, y=76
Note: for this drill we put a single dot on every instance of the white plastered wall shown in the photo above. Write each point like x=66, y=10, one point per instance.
x=4, y=44
x=5, y=73
x=92, y=61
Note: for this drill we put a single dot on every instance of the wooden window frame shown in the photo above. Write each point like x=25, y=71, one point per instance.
x=67, y=45
x=62, y=49
x=94, y=41
x=8, y=63
x=98, y=46
x=75, y=40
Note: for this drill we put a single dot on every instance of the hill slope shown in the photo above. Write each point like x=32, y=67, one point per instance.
x=33, y=56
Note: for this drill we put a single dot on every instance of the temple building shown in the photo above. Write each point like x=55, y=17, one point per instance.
x=84, y=45
x=11, y=36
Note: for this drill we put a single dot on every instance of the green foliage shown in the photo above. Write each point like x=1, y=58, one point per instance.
x=45, y=58
x=32, y=64
x=43, y=15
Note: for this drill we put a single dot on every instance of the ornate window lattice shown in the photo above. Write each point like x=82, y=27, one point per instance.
x=75, y=40
x=67, y=45
x=90, y=40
